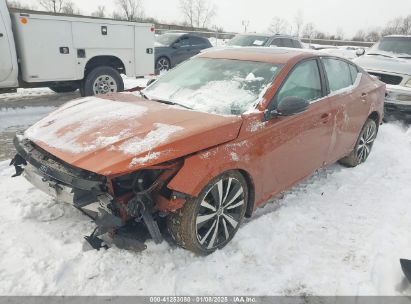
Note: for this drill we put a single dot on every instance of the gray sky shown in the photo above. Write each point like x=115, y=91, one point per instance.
x=327, y=15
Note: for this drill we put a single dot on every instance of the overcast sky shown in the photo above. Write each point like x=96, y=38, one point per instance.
x=327, y=15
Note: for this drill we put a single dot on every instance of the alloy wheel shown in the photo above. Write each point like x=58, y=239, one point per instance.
x=163, y=64
x=366, y=141
x=220, y=213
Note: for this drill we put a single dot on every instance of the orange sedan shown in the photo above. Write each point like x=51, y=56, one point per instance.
x=204, y=145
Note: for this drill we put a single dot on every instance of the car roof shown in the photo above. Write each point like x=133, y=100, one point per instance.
x=398, y=36
x=269, y=35
x=263, y=54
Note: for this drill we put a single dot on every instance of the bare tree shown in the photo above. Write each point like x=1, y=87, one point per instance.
x=17, y=4
x=100, y=12
x=198, y=13
x=279, y=26
x=299, y=22
x=308, y=31
x=70, y=8
x=54, y=6
x=340, y=34
x=359, y=36
x=131, y=10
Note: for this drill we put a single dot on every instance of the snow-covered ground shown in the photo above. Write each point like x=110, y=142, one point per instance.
x=341, y=232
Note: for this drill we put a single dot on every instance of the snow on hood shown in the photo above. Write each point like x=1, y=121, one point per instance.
x=385, y=64
x=121, y=133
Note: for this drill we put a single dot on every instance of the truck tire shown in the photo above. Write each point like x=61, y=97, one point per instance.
x=208, y=222
x=64, y=89
x=102, y=80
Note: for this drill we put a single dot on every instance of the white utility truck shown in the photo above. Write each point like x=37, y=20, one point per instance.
x=67, y=53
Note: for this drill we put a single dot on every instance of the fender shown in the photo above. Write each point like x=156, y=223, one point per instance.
x=200, y=168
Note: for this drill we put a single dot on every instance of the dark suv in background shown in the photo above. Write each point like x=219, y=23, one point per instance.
x=265, y=40
x=174, y=48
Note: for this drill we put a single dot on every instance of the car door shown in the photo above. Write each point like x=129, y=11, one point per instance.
x=184, y=50
x=295, y=146
x=348, y=97
x=197, y=44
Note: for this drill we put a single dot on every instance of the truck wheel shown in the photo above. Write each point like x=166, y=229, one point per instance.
x=208, y=222
x=64, y=89
x=363, y=146
x=102, y=80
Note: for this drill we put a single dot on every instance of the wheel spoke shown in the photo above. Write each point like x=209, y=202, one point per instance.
x=235, y=205
x=227, y=190
x=227, y=235
x=208, y=206
x=239, y=192
x=203, y=218
x=232, y=221
x=212, y=241
x=208, y=232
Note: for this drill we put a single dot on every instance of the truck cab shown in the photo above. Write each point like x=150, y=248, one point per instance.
x=70, y=52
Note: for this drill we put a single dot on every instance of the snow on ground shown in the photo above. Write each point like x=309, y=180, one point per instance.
x=341, y=232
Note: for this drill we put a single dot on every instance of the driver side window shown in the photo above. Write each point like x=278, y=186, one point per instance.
x=304, y=82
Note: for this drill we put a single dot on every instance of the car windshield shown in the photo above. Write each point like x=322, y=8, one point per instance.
x=221, y=86
x=166, y=39
x=248, y=40
x=392, y=46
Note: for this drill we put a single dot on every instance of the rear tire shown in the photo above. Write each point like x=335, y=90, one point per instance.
x=363, y=145
x=64, y=89
x=162, y=64
x=102, y=80
x=210, y=221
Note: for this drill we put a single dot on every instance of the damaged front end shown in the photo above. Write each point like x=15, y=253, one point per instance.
x=115, y=203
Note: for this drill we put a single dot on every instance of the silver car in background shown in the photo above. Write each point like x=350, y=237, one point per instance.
x=390, y=61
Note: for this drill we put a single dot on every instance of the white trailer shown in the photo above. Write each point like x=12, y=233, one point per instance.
x=67, y=53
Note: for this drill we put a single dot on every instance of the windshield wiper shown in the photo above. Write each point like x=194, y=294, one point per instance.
x=404, y=57
x=172, y=103
x=379, y=54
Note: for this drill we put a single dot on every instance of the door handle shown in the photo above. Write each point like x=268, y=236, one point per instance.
x=325, y=117
x=364, y=97
x=1, y=35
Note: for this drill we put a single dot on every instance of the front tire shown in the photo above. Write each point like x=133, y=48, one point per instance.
x=363, y=145
x=210, y=221
x=102, y=80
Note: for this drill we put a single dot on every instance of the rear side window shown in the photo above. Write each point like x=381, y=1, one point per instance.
x=297, y=44
x=288, y=43
x=304, y=81
x=338, y=74
x=277, y=42
x=196, y=41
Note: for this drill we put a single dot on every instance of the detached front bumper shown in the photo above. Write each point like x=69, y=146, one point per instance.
x=398, y=102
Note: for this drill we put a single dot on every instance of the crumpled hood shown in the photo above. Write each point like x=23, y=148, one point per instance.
x=121, y=133
x=385, y=64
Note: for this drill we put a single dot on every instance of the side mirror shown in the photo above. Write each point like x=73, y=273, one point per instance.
x=152, y=80
x=288, y=106
x=360, y=52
